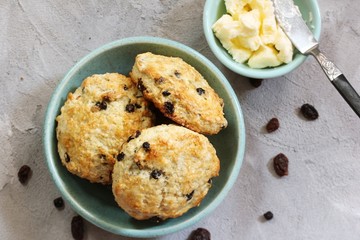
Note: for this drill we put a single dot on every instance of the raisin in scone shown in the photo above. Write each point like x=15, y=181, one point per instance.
x=96, y=120
x=180, y=92
x=163, y=172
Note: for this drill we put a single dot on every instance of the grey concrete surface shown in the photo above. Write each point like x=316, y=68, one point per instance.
x=320, y=199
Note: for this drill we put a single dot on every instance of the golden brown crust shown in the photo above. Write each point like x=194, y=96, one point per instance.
x=95, y=121
x=180, y=92
x=164, y=172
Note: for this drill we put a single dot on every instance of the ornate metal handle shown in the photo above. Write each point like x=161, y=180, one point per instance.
x=338, y=80
x=329, y=67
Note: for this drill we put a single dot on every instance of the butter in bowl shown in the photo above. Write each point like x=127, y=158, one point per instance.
x=246, y=38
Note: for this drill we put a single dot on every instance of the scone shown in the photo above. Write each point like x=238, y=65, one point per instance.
x=180, y=92
x=163, y=172
x=95, y=121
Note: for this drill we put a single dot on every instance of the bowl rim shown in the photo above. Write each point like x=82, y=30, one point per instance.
x=252, y=72
x=48, y=144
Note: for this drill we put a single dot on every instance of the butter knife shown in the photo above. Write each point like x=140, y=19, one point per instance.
x=290, y=20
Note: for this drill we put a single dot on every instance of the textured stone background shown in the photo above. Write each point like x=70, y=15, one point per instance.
x=320, y=199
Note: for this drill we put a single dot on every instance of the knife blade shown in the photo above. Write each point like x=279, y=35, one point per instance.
x=290, y=20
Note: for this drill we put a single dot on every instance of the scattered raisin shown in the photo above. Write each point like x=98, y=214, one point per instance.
x=77, y=227
x=102, y=105
x=169, y=107
x=177, y=74
x=268, y=215
x=281, y=164
x=137, y=105
x=272, y=125
x=190, y=195
x=200, y=91
x=125, y=87
x=255, y=82
x=130, y=138
x=200, y=234
x=146, y=146
x=130, y=108
x=210, y=181
x=59, y=203
x=67, y=157
x=309, y=111
x=166, y=93
x=120, y=156
x=156, y=174
x=24, y=173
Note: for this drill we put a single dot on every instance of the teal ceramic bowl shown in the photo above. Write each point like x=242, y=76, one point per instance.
x=95, y=202
x=214, y=9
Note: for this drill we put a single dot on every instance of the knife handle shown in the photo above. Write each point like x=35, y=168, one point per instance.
x=347, y=92
x=338, y=80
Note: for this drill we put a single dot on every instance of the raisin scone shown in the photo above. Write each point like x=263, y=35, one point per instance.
x=96, y=120
x=180, y=92
x=163, y=172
